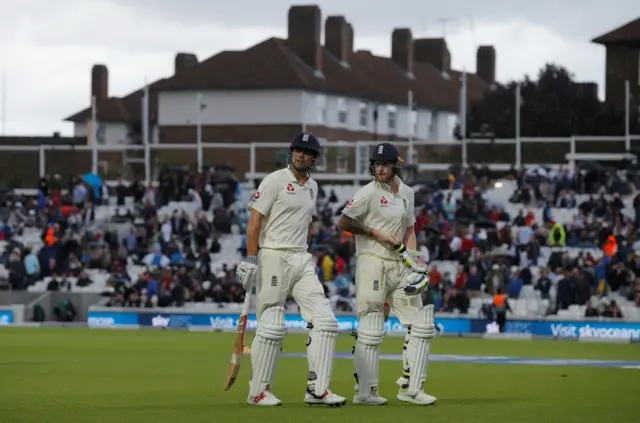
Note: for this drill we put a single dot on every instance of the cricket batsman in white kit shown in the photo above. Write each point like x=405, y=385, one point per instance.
x=381, y=217
x=277, y=243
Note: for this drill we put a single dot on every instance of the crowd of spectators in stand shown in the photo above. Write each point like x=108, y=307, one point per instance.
x=494, y=251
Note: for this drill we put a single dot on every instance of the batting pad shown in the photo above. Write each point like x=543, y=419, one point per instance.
x=265, y=348
x=367, y=351
x=320, y=349
x=416, y=353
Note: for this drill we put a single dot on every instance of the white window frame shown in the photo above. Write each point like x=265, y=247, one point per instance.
x=364, y=115
x=392, y=118
x=343, y=111
x=321, y=161
x=321, y=108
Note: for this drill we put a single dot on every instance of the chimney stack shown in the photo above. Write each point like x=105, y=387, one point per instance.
x=100, y=82
x=587, y=90
x=434, y=51
x=305, y=27
x=486, y=63
x=402, y=49
x=338, y=38
x=184, y=61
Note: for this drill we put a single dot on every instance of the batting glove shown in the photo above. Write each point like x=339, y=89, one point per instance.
x=246, y=270
x=416, y=283
x=407, y=260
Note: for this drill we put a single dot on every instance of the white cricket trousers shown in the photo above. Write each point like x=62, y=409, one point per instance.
x=381, y=281
x=285, y=273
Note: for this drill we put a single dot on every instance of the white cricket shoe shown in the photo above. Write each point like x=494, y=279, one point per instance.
x=265, y=399
x=371, y=398
x=329, y=399
x=420, y=398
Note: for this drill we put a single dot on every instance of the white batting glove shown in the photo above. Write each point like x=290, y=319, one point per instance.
x=407, y=260
x=246, y=270
x=416, y=283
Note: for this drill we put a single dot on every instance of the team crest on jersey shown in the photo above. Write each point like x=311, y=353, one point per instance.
x=404, y=201
x=291, y=189
x=383, y=202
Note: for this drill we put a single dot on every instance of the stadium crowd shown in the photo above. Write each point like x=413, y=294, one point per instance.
x=176, y=252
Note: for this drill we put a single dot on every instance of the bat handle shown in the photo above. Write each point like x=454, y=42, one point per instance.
x=247, y=299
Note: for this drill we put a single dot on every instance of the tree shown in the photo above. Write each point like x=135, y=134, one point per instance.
x=552, y=106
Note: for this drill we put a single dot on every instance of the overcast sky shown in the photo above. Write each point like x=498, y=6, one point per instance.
x=48, y=48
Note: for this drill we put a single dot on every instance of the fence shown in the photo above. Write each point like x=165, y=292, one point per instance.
x=20, y=166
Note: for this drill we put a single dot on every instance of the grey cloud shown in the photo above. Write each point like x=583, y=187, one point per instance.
x=579, y=18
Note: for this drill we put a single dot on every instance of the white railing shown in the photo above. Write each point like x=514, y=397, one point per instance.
x=348, y=159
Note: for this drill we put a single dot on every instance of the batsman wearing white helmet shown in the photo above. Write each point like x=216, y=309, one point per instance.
x=277, y=257
x=381, y=217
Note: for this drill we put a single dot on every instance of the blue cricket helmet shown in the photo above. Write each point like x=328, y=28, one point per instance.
x=385, y=152
x=306, y=141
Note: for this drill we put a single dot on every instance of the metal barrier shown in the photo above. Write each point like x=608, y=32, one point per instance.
x=341, y=160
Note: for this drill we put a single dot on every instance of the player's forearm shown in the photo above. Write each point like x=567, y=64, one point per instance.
x=253, y=235
x=354, y=226
x=410, y=239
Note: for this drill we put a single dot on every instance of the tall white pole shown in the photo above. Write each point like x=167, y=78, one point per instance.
x=518, y=142
x=199, y=130
x=4, y=102
x=145, y=134
x=94, y=136
x=627, y=116
x=463, y=117
x=410, y=126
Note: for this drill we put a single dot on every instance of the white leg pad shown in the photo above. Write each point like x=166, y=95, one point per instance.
x=265, y=349
x=366, y=356
x=321, y=346
x=416, y=351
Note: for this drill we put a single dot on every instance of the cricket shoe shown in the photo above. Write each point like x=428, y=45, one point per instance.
x=328, y=398
x=420, y=398
x=371, y=398
x=265, y=399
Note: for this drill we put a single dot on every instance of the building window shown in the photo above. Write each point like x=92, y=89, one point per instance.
x=321, y=161
x=321, y=108
x=342, y=111
x=392, y=117
x=433, y=127
x=101, y=134
x=364, y=115
x=342, y=159
x=452, y=122
x=413, y=123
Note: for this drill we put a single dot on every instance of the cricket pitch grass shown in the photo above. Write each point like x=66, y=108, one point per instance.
x=115, y=376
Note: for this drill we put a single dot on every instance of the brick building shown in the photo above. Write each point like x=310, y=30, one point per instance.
x=622, y=63
x=277, y=87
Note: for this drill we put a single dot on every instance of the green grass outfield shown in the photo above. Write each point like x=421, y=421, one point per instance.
x=117, y=376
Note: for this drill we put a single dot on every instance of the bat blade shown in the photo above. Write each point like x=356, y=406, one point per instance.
x=236, y=356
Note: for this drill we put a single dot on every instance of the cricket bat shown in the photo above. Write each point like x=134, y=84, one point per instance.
x=238, y=348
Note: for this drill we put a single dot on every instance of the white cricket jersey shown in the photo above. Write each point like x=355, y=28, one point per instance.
x=377, y=207
x=287, y=207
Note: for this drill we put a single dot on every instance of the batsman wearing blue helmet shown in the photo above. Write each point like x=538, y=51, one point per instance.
x=279, y=264
x=381, y=217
